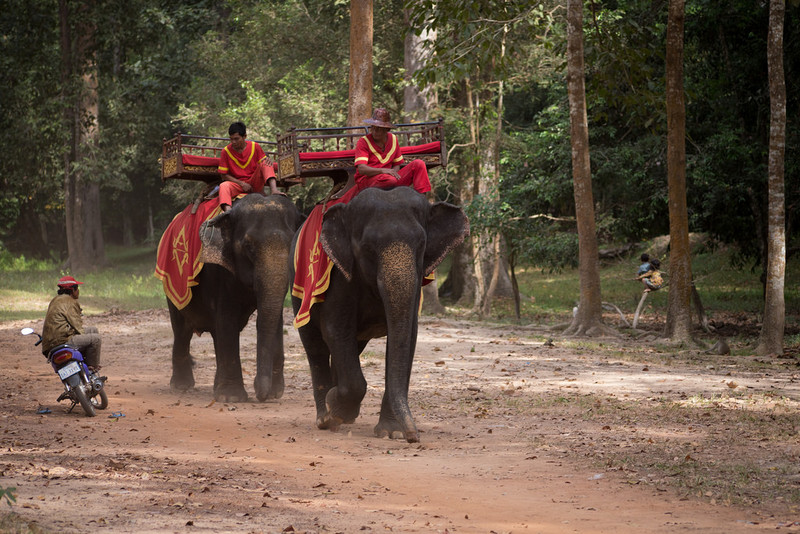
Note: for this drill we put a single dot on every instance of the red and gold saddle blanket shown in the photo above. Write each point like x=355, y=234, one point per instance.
x=312, y=266
x=178, y=259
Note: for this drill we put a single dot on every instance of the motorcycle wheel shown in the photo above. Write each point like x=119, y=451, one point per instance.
x=84, y=401
x=100, y=400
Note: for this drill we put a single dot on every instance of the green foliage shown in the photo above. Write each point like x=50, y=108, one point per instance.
x=9, y=262
x=473, y=37
x=8, y=495
x=31, y=132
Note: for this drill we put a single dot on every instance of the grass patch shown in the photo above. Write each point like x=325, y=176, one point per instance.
x=126, y=282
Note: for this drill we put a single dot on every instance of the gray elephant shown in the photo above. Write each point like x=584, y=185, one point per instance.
x=382, y=243
x=246, y=256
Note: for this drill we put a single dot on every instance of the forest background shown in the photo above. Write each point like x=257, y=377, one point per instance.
x=92, y=87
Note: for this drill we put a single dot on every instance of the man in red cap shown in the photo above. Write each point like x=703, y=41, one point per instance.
x=243, y=167
x=378, y=160
x=64, y=324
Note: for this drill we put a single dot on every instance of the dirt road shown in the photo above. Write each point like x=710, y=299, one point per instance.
x=497, y=452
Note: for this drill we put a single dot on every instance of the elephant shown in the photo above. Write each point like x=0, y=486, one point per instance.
x=382, y=243
x=246, y=268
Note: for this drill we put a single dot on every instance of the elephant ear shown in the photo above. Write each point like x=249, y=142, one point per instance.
x=448, y=226
x=335, y=239
x=217, y=247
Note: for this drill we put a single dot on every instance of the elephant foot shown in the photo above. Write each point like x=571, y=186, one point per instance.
x=393, y=429
x=268, y=389
x=329, y=422
x=181, y=384
x=335, y=414
x=230, y=393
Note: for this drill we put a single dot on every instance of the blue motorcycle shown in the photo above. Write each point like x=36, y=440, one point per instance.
x=81, y=384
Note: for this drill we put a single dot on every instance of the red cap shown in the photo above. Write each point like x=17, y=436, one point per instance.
x=68, y=281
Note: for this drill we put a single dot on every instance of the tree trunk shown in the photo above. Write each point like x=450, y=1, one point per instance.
x=85, y=245
x=360, y=95
x=679, y=313
x=477, y=168
x=416, y=104
x=494, y=189
x=771, y=339
x=589, y=319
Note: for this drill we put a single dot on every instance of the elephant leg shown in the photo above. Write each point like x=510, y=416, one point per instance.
x=182, y=374
x=228, y=380
x=396, y=415
x=343, y=401
x=322, y=377
x=269, y=383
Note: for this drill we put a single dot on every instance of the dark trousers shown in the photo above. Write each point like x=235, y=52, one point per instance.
x=89, y=344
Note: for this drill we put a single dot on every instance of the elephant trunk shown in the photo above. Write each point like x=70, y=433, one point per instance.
x=399, y=284
x=271, y=284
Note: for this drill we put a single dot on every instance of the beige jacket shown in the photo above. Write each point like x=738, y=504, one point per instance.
x=63, y=320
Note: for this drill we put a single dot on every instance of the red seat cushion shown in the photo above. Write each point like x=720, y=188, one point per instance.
x=427, y=148
x=207, y=161
x=202, y=161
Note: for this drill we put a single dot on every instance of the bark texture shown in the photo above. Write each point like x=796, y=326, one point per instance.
x=772, y=330
x=85, y=245
x=589, y=319
x=360, y=95
x=679, y=312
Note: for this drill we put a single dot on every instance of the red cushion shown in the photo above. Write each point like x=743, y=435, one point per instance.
x=207, y=161
x=335, y=154
x=203, y=161
x=427, y=148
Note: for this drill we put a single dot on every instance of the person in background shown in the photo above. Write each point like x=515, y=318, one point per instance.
x=652, y=278
x=64, y=324
x=645, y=266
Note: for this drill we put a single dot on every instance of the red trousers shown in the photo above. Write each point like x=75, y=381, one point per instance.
x=414, y=174
x=229, y=190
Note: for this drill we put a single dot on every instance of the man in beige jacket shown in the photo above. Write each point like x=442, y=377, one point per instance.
x=64, y=324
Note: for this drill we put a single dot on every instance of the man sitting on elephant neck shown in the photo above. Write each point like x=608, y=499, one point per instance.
x=378, y=160
x=243, y=168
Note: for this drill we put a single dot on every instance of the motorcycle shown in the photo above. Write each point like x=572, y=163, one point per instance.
x=81, y=384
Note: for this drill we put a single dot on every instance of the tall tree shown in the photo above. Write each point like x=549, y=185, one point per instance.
x=679, y=313
x=79, y=81
x=771, y=339
x=589, y=319
x=360, y=101
x=417, y=102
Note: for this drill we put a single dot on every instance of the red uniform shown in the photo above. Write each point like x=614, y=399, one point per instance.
x=250, y=166
x=367, y=153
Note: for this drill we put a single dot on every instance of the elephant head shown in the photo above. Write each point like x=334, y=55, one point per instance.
x=384, y=243
x=252, y=242
x=406, y=216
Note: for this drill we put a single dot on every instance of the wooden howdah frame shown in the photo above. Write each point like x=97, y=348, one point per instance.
x=173, y=150
x=299, y=153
